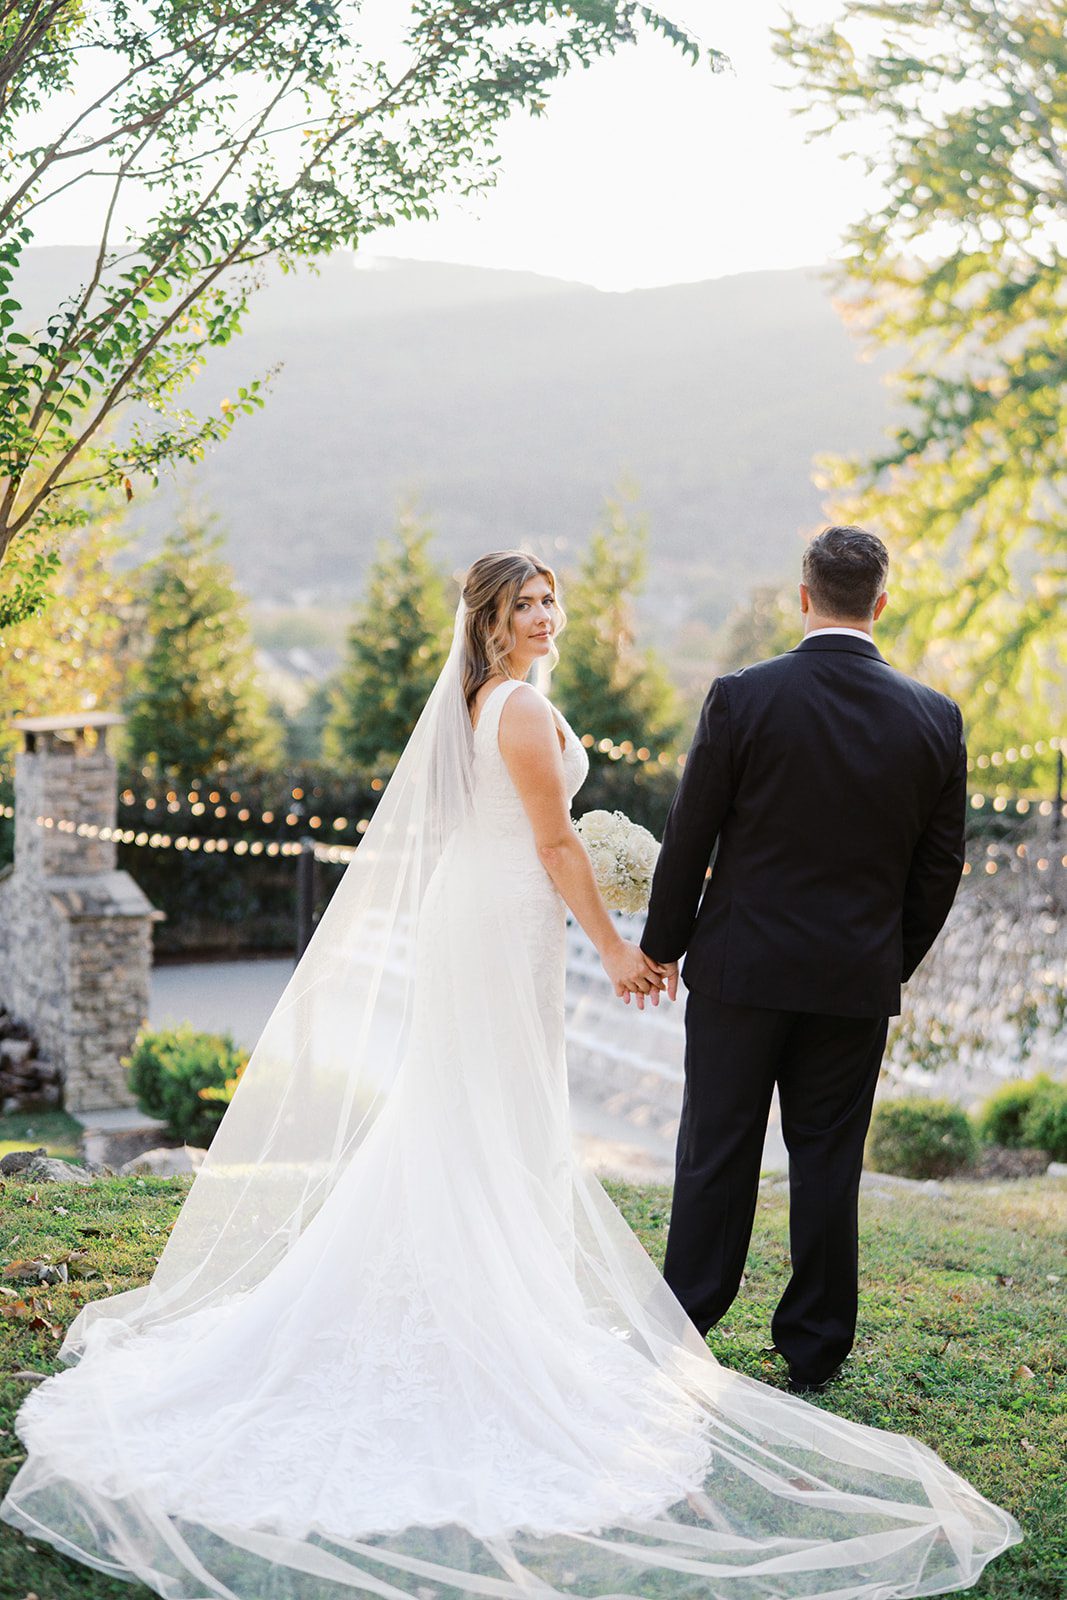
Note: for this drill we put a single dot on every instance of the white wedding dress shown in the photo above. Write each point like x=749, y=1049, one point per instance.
x=455, y=1372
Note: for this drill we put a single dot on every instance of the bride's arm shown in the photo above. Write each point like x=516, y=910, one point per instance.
x=529, y=745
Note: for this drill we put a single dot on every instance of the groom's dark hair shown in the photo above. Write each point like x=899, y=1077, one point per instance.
x=845, y=569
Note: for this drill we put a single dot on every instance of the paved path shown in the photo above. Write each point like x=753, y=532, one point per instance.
x=625, y=1126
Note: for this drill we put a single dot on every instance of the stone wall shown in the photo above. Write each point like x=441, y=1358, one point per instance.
x=75, y=933
x=69, y=786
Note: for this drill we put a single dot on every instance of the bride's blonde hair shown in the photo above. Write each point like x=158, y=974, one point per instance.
x=490, y=593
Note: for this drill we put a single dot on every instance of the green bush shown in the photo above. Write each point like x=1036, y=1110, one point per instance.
x=920, y=1138
x=1045, y=1123
x=167, y=1070
x=1030, y=1112
x=1001, y=1116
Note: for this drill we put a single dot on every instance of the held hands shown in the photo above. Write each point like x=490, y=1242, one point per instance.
x=632, y=972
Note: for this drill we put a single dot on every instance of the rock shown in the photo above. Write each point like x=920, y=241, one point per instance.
x=885, y=1182
x=15, y=1051
x=47, y=1169
x=1055, y=1169
x=17, y=1160
x=112, y=1147
x=164, y=1162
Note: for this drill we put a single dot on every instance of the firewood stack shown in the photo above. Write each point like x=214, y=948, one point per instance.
x=27, y=1082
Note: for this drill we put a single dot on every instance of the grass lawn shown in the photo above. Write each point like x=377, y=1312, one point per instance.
x=26, y=1130
x=961, y=1340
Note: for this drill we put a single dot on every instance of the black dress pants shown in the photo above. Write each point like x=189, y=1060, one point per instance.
x=826, y=1069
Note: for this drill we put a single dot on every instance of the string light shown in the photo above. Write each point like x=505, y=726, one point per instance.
x=999, y=803
x=1021, y=805
x=197, y=808
x=1014, y=754
x=198, y=805
x=143, y=839
x=1013, y=858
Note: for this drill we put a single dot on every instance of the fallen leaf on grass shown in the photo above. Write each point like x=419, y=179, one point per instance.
x=1005, y=1281
x=1023, y=1373
x=29, y=1376
x=29, y=1311
x=39, y=1270
x=36, y=1271
x=31, y=1270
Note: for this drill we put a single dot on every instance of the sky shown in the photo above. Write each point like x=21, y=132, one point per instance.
x=649, y=171
x=644, y=171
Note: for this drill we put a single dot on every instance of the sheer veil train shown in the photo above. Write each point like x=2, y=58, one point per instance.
x=400, y=1344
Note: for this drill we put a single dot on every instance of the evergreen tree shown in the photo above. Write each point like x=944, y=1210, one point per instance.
x=604, y=684
x=194, y=702
x=396, y=647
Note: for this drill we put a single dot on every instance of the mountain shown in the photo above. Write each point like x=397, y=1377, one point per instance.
x=510, y=405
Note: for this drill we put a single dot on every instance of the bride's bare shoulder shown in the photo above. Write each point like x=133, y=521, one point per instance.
x=527, y=721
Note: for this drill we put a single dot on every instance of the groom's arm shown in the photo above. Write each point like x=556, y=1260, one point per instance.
x=697, y=812
x=937, y=862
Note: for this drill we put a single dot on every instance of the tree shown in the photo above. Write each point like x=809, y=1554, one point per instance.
x=77, y=654
x=396, y=648
x=961, y=265
x=193, y=702
x=604, y=684
x=265, y=129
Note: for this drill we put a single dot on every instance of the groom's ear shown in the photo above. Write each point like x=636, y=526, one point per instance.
x=880, y=604
x=805, y=600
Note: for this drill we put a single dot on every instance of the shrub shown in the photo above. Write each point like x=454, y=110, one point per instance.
x=1045, y=1123
x=1030, y=1111
x=167, y=1070
x=920, y=1138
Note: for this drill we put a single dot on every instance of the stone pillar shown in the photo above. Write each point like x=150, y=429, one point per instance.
x=67, y=775
x=76, y=949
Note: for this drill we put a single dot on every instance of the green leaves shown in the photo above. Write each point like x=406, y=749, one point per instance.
x=965, y=108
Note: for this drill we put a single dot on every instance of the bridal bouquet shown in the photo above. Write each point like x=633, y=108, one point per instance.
x=623, y=856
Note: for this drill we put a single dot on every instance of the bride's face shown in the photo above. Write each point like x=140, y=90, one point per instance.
x=534, y=621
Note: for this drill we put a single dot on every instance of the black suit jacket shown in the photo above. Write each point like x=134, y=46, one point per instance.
x=836, y=790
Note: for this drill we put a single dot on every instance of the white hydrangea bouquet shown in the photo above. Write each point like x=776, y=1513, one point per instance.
x=623, y=856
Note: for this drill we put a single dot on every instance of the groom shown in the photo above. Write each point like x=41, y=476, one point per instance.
x=834, y=789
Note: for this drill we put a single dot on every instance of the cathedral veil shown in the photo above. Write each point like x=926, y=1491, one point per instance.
x=543, y=1418
x=331, y=1047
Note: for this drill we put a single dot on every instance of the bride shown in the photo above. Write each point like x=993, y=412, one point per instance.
x=399, y=1344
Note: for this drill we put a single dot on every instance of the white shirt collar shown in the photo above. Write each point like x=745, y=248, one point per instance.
x=854, y=633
